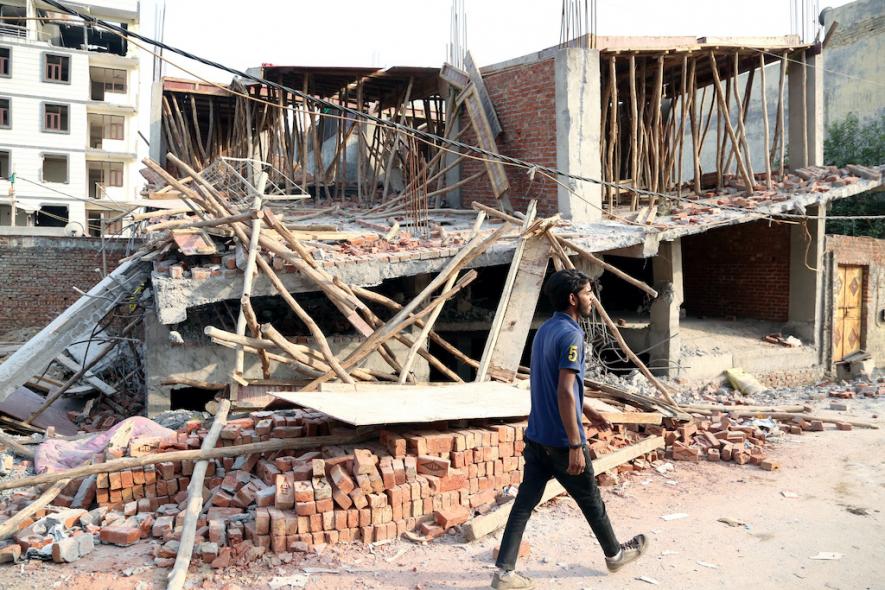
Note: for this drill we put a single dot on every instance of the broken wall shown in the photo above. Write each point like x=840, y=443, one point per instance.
x=741, y=271
x=39, y=274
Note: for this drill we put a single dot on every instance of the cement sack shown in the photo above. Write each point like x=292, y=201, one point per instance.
x=744, y=382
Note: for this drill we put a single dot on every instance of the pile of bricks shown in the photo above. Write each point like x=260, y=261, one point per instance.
x=724, y=438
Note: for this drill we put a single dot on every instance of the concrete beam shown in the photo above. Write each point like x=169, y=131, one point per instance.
x=79, y=319
x=578, y=122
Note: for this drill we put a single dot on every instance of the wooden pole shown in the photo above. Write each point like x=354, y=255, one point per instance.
x=748, y=182
x=630, y=354
x=779, y=132
x=613, y=166
x=605, y=265
x=695, y=145
x=428, y=324
x=805, y=161
x=12, y=525
x=278, y=444
x=308, y=321
x=764, y=121
x=248, y=276
x=634, y=134
x=178, y=574
x=15, y=446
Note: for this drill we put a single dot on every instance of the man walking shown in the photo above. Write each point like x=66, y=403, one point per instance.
x=555, y=443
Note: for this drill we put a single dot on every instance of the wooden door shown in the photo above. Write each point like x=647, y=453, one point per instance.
x=846, y=323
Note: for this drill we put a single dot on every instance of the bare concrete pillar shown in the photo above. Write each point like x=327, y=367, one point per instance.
x=806, y=283
x=664, y=356
x=158, y=143
x=578, y=122
x=811, y=118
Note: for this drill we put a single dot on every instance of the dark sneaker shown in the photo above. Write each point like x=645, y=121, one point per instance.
x=512, y=581
x=630, y=551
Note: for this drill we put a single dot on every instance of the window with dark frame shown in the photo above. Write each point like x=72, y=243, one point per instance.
x=5, y=113
x=114, y=127
x=55, y=118
x=115, y=175
x=5, y=61
x=57, y=68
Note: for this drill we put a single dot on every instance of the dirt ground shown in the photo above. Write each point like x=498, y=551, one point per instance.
x=838, y=479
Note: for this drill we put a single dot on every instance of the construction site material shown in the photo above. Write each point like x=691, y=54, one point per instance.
x=9, y=526
x=393, y=404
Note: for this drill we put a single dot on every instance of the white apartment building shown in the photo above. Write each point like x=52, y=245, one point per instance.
x=69, y=97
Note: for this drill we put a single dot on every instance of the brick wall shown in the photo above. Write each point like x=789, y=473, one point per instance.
x=524, y=97
x=39, y=273
x=741, y=271
x=870, y=254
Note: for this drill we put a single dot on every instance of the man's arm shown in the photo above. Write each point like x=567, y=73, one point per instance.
x=565, y=398
x=595, y=417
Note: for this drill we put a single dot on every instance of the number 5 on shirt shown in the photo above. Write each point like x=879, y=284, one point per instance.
x=573, y=353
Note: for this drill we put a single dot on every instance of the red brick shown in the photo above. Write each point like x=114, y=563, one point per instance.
x=120, y=535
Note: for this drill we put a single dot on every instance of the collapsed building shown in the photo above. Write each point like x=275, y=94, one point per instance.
x=645, y=115
x=329, y=239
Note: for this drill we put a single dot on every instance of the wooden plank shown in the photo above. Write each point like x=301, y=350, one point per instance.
x=414, y=403
x=486, y=140
x=483, y=93
x=457, y=77
x=504, y=301
x=487, y=523
x=517, y=320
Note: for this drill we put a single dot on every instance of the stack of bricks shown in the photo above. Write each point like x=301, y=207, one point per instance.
x=414, y=479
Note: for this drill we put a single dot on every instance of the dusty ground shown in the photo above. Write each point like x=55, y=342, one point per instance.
x=839, y=478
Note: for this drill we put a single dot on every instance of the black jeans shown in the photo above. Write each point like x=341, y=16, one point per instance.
x=542, y=463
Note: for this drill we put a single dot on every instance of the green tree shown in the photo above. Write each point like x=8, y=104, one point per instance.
x=851, y=142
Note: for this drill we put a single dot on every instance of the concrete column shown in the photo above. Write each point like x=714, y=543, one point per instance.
x=814, y=107
x=578, y=122
x=664, y=329
x=806, y=282
x=158, y=144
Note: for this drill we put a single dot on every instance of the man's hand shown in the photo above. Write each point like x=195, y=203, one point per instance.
x=576, y=461
x=597, y=419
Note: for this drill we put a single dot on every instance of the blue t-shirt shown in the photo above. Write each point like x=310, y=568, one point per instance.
x=558, y=344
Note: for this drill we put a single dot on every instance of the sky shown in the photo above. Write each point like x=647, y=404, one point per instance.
x=415, y=32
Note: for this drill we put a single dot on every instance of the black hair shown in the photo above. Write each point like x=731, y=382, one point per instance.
x=563, y=283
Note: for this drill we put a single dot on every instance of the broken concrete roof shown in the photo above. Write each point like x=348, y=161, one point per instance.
x=369, y=263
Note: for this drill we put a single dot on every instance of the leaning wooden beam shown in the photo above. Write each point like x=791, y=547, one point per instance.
x=278, y=444
x=11, y=526
x=487, y=523
x=748, y=182
x=630, y=354
x=190, y=223
x=308, y=321
x=195, y=502
x=504, y=300
x=392, y=327
x=418, y=344
x=248, y=277
x=605, y=265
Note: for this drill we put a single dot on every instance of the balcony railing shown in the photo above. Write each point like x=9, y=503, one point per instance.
x=13, y=31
